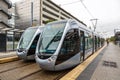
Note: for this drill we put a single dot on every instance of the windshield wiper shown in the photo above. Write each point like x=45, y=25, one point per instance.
x=52, y=40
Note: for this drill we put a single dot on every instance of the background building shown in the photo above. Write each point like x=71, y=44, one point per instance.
x=4, y=26
x=38, y=12
x=25, y=14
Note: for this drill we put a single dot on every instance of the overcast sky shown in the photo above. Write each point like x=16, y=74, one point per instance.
x=106, y=11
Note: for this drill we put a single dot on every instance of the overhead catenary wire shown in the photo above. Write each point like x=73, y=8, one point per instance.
x=82, y=5
x=87, y=9
x=93, y=18
x=69, y=3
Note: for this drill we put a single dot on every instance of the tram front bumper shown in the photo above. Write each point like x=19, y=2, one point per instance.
x=22, y=55
x=45, y=64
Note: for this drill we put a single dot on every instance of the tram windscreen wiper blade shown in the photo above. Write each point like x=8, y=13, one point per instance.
x=52, y=40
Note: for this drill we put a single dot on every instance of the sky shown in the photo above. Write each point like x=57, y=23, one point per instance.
x=106, y=11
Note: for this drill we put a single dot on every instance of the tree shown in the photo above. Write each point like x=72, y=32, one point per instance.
x=50, y=20
x=112, y=38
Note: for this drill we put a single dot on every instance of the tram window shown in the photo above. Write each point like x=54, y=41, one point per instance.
x=34, y=44
x=70, y=42
x=88, y=41
x=70, y=46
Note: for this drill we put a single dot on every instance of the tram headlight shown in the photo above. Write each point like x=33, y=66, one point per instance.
x=53, y=57
x=25, y=51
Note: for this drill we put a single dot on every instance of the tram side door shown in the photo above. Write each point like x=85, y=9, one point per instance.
x=82, y=46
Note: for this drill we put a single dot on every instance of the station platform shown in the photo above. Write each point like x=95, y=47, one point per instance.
x=105, y=66
x=8, y=56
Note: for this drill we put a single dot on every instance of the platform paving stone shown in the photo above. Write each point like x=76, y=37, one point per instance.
x=106, y=66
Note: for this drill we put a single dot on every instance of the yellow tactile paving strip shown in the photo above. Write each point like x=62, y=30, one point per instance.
x=4, y=60
x=72, y=75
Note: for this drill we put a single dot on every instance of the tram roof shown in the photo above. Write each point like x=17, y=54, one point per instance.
x=40, y=27
x=81, y=25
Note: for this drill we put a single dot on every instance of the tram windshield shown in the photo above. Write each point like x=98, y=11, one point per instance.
x=50, y=37
x=26, y=37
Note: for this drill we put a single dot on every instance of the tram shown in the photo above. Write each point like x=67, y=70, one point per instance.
x=28, y=42
x=65, y=44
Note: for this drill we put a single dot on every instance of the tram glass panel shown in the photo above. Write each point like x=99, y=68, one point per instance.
x=26, y=38
x=50, y=39
x=88, y=41
x=33, y=46
x=70, y=46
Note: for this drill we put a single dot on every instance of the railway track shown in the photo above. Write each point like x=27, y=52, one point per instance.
x=20, y=70
x=46, y=75
x=13, y=65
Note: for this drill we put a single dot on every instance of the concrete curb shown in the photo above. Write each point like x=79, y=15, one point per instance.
x=9, y=59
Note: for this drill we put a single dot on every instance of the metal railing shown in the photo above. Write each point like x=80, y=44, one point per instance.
x=5, y=11
x=5, y=22
x=2, y=8
x=3, y=19
x=9, y=3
